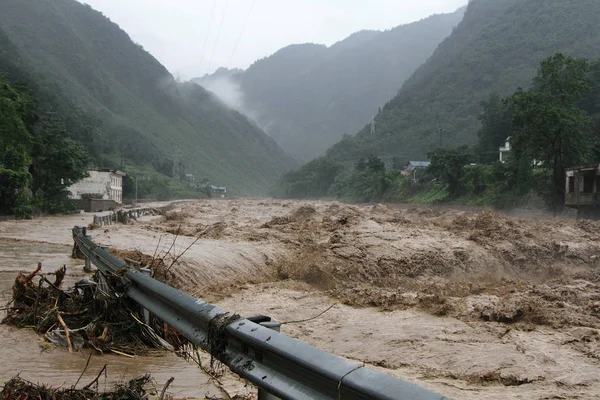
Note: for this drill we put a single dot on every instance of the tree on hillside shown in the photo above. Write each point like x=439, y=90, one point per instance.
x=447, y=165
x=38, y=159
x=14, y=111
x=495, y=127
x=313, y=180
x=368, y=182
x=372, y=163
x=15, y=142
x=591, y=105
x=547, y=124
x=58, y=162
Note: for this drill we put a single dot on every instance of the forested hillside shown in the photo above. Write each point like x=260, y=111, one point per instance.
x=525, y=69
x=551, y=126
x=122, y=104
x=496, y=48
x=306, y=96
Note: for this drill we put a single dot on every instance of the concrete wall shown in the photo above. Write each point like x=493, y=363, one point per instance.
x=106, y=183
x=95, y=205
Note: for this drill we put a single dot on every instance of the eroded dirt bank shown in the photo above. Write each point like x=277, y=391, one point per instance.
x=470, y=304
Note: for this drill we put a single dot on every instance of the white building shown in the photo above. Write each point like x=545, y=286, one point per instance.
x=505, y=151
x=106, y=184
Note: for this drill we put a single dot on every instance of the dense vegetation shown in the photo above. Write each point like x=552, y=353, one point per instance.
x=552, y=125
x=496, y=48
x=307, y=96
x=124, y=106
x=39, y=159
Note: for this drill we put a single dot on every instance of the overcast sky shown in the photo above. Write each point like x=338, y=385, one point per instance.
x=193, y=37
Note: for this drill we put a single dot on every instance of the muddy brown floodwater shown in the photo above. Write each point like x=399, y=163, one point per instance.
x=23, y=352
x=468, y=303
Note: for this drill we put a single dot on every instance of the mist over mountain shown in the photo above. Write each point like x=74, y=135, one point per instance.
x=122, y=104
x=307, y=96
x=496, y=48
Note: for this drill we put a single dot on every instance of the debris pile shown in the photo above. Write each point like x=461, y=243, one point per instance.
x=160, y=266
x=21, y=389
x=94, y=313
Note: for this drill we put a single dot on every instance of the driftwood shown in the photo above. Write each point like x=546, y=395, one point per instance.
x=93, y=314
x=17, y=388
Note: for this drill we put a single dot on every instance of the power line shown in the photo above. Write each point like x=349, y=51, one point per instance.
x=212, y=12
x=242, y=32
x=218, y=35
x=399, y=156
x=176, y=158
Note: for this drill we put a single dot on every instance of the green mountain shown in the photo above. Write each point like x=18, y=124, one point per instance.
x=497, y=47
x=306, y=96
x=123, y=104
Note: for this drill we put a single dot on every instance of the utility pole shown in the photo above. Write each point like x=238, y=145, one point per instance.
x=373, y=126
x=136, y=196
x=441, y=131
x=176, y=164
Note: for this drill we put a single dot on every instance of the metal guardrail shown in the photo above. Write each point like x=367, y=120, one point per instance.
x=122, y=215
x=280, y=365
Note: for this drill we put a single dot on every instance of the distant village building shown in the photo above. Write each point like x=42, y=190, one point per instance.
x=505, y=150
x=218, y=190
x=412, y=167
x=105, y=184
x=582, y=186
x=190, y=177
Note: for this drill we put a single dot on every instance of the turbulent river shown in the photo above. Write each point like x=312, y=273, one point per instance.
x=468, y=303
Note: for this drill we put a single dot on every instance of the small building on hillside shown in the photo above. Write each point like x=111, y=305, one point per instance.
x=190, y=177
x=413, y=165
x=101, y=184
x=505, y=150
x=219, y=191
x=411, y=168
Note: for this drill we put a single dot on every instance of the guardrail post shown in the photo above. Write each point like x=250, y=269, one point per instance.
x=262, y=394
x=148, y=272
x=87, y=267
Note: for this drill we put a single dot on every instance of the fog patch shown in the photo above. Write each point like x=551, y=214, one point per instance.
x=231, y=94
x=227, y=90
